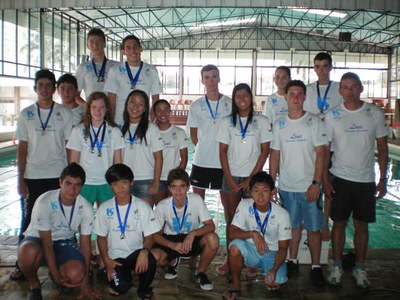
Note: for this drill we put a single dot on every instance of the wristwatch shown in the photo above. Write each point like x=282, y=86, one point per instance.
x=316, y=182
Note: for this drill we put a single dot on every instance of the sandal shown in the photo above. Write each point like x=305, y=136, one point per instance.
x=223, y=269
x=112, y=292
x=17, y=273
x=231, y=294
x=251, y=272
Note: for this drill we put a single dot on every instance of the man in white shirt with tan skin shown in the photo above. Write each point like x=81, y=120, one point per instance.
x=353, y=128
x=297, y=155
x=133, y=74
x=92, y=75
x=205, y=115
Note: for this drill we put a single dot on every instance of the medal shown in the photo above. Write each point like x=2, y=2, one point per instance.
x=62, y=210
x=243, y=131
x=131, y=147
x=94, y=141
x=180, y=223
x=263, y=225
x=133, y=80
x=213, y=115
x=101, y=74
x=132, y=138
x=44, y=126
x=121, y=226
x=322, y=104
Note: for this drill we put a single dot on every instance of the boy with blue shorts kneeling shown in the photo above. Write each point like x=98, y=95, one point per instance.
x=50, y=238
x=260, y=233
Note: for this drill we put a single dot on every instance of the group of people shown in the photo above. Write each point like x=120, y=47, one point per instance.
x=109, y=151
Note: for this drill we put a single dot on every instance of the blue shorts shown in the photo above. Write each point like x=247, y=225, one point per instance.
x=303, y=212
x=102, y=192
x=140, y=188
x=227, y=189
x=64, y=250
x=254, y=260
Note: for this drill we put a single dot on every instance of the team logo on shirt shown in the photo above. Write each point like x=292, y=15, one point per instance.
x=122, y=69
x=251, y=211
x=89, y=67
x=282, y=111
x=110, y=212
x=174, y=137
x=54, y=206
x=368, y=112
x=336, y=113
x=186, y=224
x=281, y=123
x=30, y=114
x=274, y=101
x=296, y=137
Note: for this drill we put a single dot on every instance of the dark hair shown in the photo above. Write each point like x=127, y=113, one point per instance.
x=161, y=101
x=119, y=172
x=67, y=78
x=87, y=117
x=350, y=75
x=178, y=174
x=284, y=68
x=97, y=32
x=44, y=73
x=207, y=68
x=235, y=108
x=323, y=56
x=295, y=83
x=129, y=37
x=144, y=119
x=262, y=177
x=73, y=170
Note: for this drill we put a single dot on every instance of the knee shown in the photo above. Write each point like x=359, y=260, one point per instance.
x=212, y=240
x=160, y=256
x=234, y=252
x=120, y=286
x=74, y=270
x=29, y=255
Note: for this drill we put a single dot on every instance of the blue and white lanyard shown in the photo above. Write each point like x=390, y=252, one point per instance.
x=213, y=115
x=132, y=79
x=122, y=226
x=180, y=223
x=95, y=141
x=322, y=104
x=62, y=210
x=102, y=72
x=263, y=225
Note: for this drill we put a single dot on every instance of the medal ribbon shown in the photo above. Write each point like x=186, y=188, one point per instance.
x=44, y=126
x=102, y=71
x=131, y=79
x=322, y=105
x=95, y=141
x=263, y=225
x=180, y=223
x=123, y=226
x=132, y=138
x=62, y=209
x=243, y=130
x=213, y=115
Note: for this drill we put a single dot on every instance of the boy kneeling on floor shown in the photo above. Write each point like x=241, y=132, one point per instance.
x=124, y=226
x=260, y=233
x=181, y=236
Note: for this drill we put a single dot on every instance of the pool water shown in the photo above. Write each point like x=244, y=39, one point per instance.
x=384, y=233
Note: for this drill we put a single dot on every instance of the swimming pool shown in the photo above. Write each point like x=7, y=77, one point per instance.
x=384, y=233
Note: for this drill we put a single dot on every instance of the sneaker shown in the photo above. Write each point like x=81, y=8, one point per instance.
x=361, y=278
x=172, y=269
x=34, y=294
x=317, y=277
x=334, y=276
x=292, y=268
x=223, y=269
x=205, y=284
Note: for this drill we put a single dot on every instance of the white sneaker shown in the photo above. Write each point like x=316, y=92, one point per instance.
x=361, y=278
x=334, y=276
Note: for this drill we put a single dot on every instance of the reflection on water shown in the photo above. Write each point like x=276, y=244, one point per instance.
x=383, y=234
